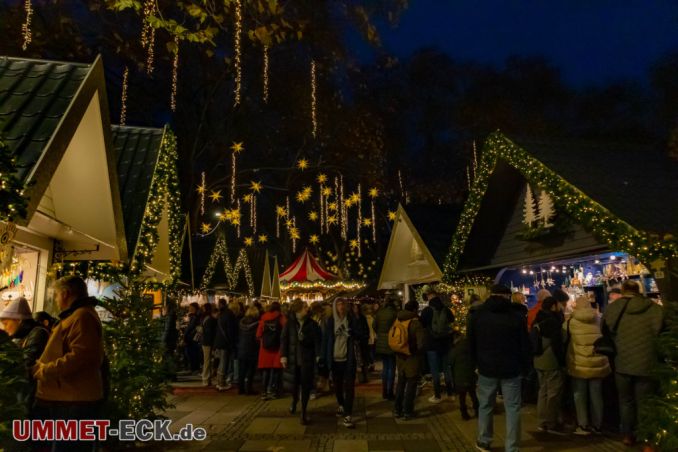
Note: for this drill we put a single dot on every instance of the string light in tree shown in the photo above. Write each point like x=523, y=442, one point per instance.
x=149, y=8
x=359, y=203
x=475, y=159
x=374, y=193
x=123, y=97
x=202, y=189
x=468, y=178
x=26, y=27
x=342, y=209
x=175, y=75
x=327, y=192
x=280, y=212
x=237, y=41
x=265, y=73
x=237, y=217
x=314, y=100
x=236, y=148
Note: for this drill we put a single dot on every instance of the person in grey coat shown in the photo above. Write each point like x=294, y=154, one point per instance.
x=383, y=321
x=640, y=324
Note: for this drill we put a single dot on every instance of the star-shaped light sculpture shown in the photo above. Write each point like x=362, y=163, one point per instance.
x=354, y=243
x=391, y=215
x=205, y=228
x=289, y=224
x=216, y=196
x=248, y=198
x=332, y=206
x=322, y=178
x=367, y=222
x=294, y=233
x=332, y=219
x=249, y=241
x=327, y=191
x=314, y=239
x=374, y=192
x=256, y=186
x=237, y=147
x=201, y=189
x=263, y=238
x=355, y=197
x=280, y=211
x=313, y=215
x=302, y=164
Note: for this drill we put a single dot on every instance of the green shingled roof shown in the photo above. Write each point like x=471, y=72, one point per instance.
x=34, y=98
x=137, y=150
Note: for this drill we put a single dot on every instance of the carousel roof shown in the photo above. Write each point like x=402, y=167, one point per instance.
x=306, y=268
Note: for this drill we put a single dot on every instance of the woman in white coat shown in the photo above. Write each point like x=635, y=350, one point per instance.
x=586, y=368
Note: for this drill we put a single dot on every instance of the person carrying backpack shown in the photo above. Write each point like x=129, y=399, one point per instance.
x=269, y=332
x=406, y=339
x=437, y=320
x=383, y=321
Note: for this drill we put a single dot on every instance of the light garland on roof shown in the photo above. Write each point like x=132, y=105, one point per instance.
x=237, y=42
x=123, y=96
x=604, y=225
x=26, y=26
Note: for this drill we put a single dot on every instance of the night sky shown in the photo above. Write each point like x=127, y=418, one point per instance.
x=591, y=41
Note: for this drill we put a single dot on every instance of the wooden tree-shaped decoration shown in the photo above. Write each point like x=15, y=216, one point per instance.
x=529, y=209
x=546, y=209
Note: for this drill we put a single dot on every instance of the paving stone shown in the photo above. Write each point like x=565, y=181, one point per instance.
x=350, y=445
x=196, y=418
x=262, y=425
x=259, y=446
x=224, y=445
x=220, y=418
x=290, y=426
x=385, y=445
x=295, y=445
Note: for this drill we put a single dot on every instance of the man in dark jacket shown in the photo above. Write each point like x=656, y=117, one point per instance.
x=383, y=321
x=191, y=346
x=640, y=322
x=338, y=352
x=437, y=320
x=409, y=366
x=209, y=326
x=224, y=342
x=500, y=349
x=299, y=350
x=248, y=349
x=550, y=364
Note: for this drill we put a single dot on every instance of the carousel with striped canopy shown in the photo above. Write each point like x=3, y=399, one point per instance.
x=305, y=278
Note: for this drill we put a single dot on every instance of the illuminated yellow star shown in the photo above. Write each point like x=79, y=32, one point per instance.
x=289, y=224
x=280, y=211
x=327, y=191
x=302, y=164
x=263, y=238
x=367, y=222
x=248, y=198
x=374, y=192
x=237, y=147
x=304, y=195
x=205, y=228
x=234, y=217
x=308, y=190
x=294, y=233
x=322, y=178
x=249, y=241
x=255, y=186
x=332, y=206
x=313, y=239
x=216, y=196
x=391, y=215
x=226, y=216
x=313, y=215
x=332, y=219
x=201, y=189
x=355, y=197
x=348, y=202
x=354, y=243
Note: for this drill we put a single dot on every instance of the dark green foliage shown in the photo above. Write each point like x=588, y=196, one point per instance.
x=659, y=414
x=12, y=381
x=138, y=377
x=12, y=202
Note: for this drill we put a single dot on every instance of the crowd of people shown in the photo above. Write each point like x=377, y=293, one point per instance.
x=565, y=348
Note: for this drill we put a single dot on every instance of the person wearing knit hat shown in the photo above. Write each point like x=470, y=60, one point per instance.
x=18, y=322
x=542, y=295
x=586, y=369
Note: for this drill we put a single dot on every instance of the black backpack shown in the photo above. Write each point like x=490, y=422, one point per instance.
x=272, y=332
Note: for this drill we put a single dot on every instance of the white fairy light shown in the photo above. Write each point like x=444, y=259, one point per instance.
x=238, y=52
x=314, y=100
x=123, y=97
x=175, y=75
x=265, y=73
x=26, y=26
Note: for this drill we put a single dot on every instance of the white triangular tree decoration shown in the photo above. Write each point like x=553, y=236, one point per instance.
x=529, y=210
x=546, y=209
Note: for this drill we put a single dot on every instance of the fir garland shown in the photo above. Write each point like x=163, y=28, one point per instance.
x=12, y=202
x=604, y=225
x=13, y=381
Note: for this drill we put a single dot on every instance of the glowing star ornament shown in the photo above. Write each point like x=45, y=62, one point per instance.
x=263, y=238
x=313, y=216
x=327, y=191
x=280, y=211
x=249, y=241
x=314, y=239
x=322, y=178
x=215, y=196
x=354, y=244
x=332, y=219
x=302, y=164
x=391, y=215
x=256, y=186
x=237, y=147
x=294, y=233
x=374, y=192
x=332, y=206
x=205, y=228
x=289, y=223
x=367, y=222
x=248, y=198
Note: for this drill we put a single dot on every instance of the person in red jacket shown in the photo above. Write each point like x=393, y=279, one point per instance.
x=269, y=332
x=542, y=295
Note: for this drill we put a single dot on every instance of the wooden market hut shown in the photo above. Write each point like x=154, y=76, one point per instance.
x=599, y=198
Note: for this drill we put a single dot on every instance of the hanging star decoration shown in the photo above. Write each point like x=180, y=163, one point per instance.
x=248, y=198
x=374, y=192
x=332, y=219
x=234, y=217
x=289, y=223
x=201, y=189
x=354, y=243
x=314, y=239
x=313, y=215
x=355, y=198
x=305, y=194
x=249, y=241
x=302, y=164
x=367, y=222
x=280, y=211
x=256, y=186
x=348, y=202
x=332, y=206
x=294, y=233
x=237, y=147
x=327, y=191
x=205, y=228
x=263, y=238
x=322, y=178
x=216, y=196
x=391, y=215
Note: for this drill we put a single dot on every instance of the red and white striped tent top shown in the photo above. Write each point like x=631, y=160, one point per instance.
x=306, y=268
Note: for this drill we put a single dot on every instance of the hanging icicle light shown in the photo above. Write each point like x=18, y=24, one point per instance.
x=314, y=100
x=149, y=8
x=359, y=219
x=150, y=53
x=254, y=213
x=342, y=208
x=475, y=160
x=265, y=73
x=236, y=148
x=238, y=214
x=175, y=75
x=374, y=192
x=26, y=26
x=202, y=188
x=123, y=97
x=237, y=41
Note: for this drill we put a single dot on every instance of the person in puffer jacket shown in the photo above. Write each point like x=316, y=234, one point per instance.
x=248, y=350
x=586, y=368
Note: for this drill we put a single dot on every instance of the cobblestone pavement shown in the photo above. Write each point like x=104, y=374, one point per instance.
x=240, y=423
